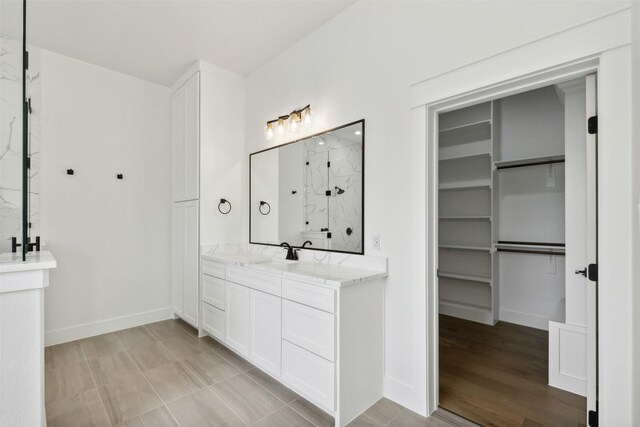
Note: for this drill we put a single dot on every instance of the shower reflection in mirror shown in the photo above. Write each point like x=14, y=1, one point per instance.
x=328, y=168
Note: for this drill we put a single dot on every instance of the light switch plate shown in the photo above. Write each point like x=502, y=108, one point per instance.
x=375, y=242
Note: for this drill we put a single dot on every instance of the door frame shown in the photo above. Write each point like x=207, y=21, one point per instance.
x=500, y=90
x=600, y=46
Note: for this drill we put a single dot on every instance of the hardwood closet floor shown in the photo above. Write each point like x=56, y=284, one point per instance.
x=497, y=376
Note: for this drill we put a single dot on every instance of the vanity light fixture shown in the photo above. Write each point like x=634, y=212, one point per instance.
x=280, y=131
x=293, y=122
x=269, y=132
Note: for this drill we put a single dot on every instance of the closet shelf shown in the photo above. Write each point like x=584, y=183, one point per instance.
x=466, y=248
x=529, y=161
x=467, y=277
x=459, y=185
x=463, y=217
x=466, y=125
x=462, y=151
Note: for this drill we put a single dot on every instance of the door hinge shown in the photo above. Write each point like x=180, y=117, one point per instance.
x=593, y=419
x=592, y=125
x=328, y=164
x=592, y=272
x=26, y=60
x=28, y=162
x=29, y=109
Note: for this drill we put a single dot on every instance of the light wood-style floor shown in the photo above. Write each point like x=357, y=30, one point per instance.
x=161, y=374
x=498, y=376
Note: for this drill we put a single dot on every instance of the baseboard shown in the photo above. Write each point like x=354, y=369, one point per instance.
x=85, y=330
x=525, y=319
x=404, y=394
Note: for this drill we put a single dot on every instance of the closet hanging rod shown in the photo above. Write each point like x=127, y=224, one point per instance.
x=529, y=251
x=513, y=242
x=522, y=165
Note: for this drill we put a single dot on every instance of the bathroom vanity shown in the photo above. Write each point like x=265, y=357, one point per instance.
x=315, y=327
x=22, y=285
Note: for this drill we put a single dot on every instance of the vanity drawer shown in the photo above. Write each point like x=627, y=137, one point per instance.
x=308, y=294
x=309, y=328
x=212, y=268
x=213, y=321
x=255, y=279
x=309, y=374
x=213, y=291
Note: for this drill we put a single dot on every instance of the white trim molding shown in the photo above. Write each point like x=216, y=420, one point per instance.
x=85, y=330
x=598, y=46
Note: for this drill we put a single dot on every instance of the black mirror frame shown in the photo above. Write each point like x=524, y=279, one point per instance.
x=362, y=121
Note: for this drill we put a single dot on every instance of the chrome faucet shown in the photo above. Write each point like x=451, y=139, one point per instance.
x=292, y=254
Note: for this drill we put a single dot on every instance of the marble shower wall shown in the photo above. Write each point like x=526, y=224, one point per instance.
x=340, y=213
x=11, y=141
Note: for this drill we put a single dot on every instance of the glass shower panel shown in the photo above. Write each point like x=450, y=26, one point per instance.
x=11, y=123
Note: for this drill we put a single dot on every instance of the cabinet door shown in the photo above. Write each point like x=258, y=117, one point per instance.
x=192, y=138
x=237, y=316
x=177, y=145
x=265, y=332
x=191, y=261
x=177, y=258
x=186, y=141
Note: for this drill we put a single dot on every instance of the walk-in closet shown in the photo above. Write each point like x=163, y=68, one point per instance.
x=512, y=212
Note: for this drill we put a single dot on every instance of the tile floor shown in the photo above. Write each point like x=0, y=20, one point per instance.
x=161, y=374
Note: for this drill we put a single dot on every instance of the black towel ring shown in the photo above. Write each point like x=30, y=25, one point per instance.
x=263, y=203
x=222, y=202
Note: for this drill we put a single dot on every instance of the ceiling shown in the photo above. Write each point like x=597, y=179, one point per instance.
x=158, y=40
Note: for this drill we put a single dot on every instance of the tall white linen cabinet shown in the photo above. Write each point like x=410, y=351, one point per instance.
x=207, y=156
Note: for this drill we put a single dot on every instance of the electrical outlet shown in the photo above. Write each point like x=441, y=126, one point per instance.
x=375, y=242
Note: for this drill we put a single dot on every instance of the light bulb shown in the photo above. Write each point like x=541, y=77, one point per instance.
x=268, y=132
x=294, y=122
x=280, y=127
x=306, y=117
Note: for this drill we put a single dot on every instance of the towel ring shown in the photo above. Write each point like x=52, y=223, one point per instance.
x=263, y=203
x=222, y=202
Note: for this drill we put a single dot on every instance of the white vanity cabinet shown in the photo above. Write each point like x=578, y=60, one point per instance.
x=325, y=342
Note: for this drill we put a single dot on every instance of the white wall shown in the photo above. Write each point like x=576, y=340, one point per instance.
x=636, y=202
x=111, y=237
x=361, y=65
x=221, y=156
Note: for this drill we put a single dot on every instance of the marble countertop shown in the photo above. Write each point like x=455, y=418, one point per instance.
x=12, y=262
x=316, y=272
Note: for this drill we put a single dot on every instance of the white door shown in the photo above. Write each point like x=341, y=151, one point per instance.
x=592, y=251
x=186, y=141
x=237, y=315
x=191, y=261
x=265, y=332
x=177, y=145
x=177, y=258
x=192, y=138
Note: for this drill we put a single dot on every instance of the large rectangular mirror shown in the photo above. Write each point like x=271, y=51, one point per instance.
x=310, y=190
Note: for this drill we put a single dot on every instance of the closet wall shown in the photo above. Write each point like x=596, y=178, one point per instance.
x=530, y=199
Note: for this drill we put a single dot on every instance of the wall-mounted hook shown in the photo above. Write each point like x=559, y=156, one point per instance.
x=70, y=172
x=222, y=202
x=294, y=192
x=119, y=176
